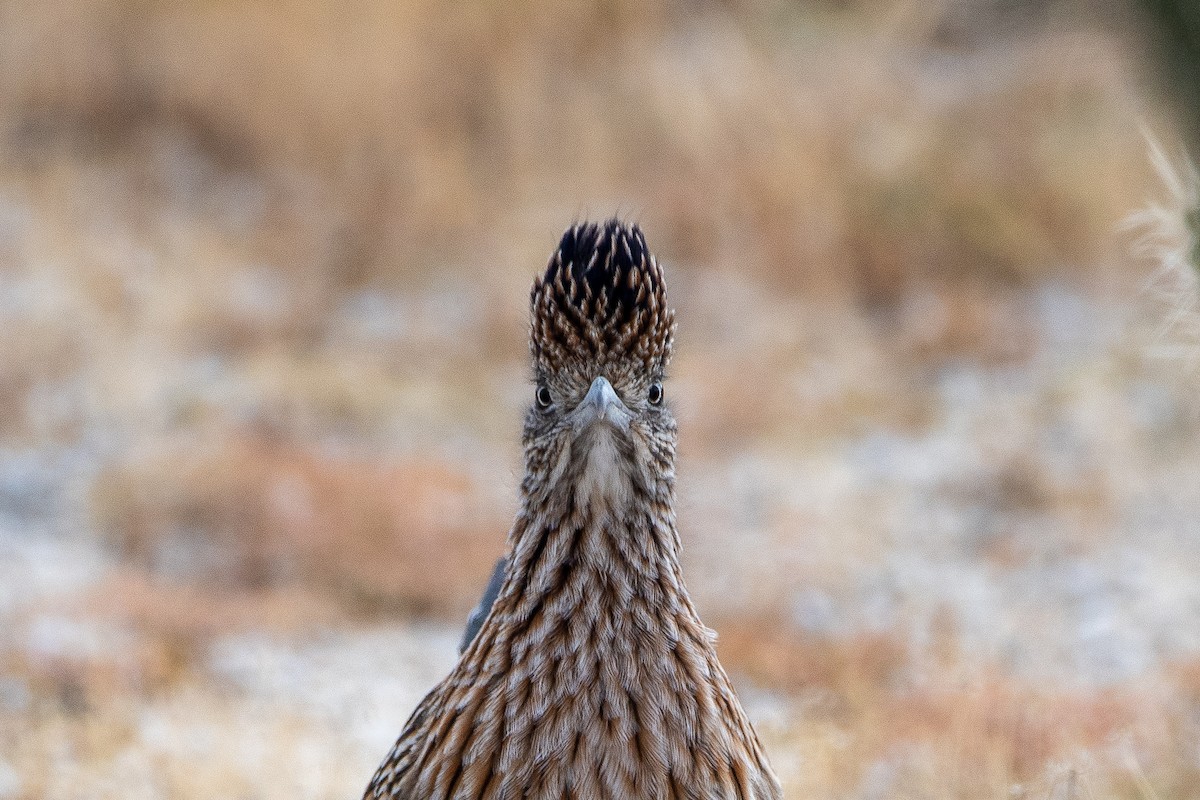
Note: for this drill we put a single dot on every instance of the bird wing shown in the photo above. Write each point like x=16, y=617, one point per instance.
x=475, y=620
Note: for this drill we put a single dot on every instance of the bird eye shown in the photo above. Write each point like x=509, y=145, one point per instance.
x=544, y=398
x=655, y=395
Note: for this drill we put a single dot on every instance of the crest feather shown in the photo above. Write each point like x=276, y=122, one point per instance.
x=601, y=300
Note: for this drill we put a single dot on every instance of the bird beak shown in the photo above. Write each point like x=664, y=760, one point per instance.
x=602, y=403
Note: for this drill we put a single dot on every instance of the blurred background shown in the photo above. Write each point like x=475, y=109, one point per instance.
x=264, y=269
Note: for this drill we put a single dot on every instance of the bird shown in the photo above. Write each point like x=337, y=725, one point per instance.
x=589, y=675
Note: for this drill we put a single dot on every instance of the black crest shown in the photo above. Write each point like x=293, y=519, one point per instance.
x=601, y=298
x=600, y=265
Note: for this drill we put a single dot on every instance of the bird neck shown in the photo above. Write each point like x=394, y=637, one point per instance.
x=593, y=649
x=593, y=661
x=602, y=521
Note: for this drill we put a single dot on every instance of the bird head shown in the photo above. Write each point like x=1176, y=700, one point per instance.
x=600, y=338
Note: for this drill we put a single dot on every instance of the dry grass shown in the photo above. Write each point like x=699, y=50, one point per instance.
x=847, y=722
x=871, y=717
x=821, y=152
x=1168, y=237
x=252, y=513
x=262, y=269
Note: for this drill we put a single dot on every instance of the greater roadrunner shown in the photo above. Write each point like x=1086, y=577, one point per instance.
x=591, y=675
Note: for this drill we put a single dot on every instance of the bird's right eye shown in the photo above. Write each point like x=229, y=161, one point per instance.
x=544, y=398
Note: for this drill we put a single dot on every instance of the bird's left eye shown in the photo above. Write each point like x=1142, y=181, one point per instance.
x=655, y=396
x=544, y=398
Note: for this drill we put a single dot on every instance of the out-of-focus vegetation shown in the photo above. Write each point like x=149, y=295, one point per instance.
x=263, y=271
x=1175, y=40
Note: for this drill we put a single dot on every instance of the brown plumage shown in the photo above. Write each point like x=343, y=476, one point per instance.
x=591, y=677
